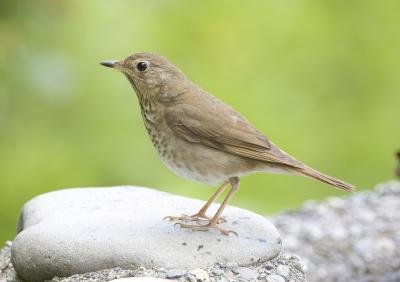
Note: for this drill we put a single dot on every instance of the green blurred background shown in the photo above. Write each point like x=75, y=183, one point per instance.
x=320, y=78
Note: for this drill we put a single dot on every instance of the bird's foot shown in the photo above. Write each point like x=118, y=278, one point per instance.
x=206, y=227
x=195, y=218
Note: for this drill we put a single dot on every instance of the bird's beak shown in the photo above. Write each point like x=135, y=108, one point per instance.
x=110, y=64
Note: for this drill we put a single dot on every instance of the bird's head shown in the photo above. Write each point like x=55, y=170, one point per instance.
x=149, y=74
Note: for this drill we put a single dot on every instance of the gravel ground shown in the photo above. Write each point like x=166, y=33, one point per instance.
x=347, y=239
x=340, y=239
x=281, y=269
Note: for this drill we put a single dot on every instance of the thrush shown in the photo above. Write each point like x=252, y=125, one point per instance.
x=201, y=138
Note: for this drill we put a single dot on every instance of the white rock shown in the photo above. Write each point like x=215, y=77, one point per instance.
x=283, y=270
x=229, y=274
x=83, y=230
x=275, y=278
x=175, y=273
x=217, y=272
x=336, y=203
x=247, y=274
x=200, y=274
x=302, y=266
x=232, y=265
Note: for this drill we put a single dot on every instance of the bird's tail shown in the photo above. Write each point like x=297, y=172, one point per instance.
x=312, y=173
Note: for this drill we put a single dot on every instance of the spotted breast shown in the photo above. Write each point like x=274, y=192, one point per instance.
x=195, y=162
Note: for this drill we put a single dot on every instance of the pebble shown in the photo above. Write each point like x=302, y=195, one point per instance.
x=295, y=257
x=175, y=273
x=275, y=278
x=229, y=274
x=200, y=274
x=262, y=275
x=300, y=265
x=268, y=266
x=231, y=265
x=283, y=270
x=247, y=274
x=336, y=203
x=217, y=271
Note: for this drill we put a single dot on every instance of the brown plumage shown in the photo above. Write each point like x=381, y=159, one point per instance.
x=200, y=137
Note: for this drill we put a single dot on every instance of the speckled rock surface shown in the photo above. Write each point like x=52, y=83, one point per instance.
x=347, y=239
x=141, y=279
x=266, y=271
x=82, y=230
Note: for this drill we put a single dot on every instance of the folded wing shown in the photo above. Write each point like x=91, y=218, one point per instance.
x=227, y=132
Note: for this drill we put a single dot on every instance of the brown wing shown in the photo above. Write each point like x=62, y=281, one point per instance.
x=223, y=129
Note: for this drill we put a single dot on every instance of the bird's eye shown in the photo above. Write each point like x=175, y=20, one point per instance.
x=142, y=66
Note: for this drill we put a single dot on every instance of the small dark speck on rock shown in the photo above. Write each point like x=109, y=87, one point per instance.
x=200, y=247
x=269, y=266
x=262, y=240
x=184, y=243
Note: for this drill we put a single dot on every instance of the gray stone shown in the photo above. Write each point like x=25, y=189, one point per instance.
x=83, y=230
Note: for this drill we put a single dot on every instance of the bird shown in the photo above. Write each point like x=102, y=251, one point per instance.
x=201, y=138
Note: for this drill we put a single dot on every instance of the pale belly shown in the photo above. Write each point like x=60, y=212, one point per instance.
x=200, y=163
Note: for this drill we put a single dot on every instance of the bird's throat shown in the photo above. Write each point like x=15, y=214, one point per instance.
x=133, y=85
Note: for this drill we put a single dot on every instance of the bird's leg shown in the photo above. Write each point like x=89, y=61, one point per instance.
x=234, y=181
x=201, y=214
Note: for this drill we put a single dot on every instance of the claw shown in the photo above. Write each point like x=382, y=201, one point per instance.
x=232, y=232
x=172, y=218
x=195, y=218
x=177, y=224
x=222, y=220
x=206, y=227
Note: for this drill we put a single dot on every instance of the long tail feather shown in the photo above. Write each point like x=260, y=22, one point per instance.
x=307, y=171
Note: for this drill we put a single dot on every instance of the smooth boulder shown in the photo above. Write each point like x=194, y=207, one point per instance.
x=88, y=229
